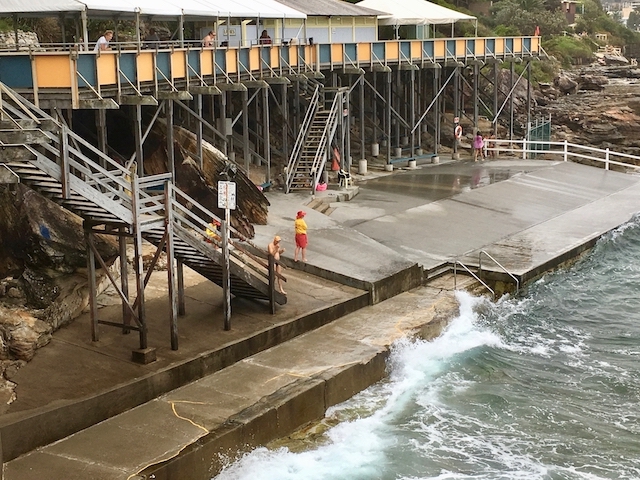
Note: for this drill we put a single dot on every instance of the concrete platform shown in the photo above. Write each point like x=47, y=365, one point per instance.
x=530, y=215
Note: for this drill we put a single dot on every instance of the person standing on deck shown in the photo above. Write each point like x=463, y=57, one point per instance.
x=301, y=236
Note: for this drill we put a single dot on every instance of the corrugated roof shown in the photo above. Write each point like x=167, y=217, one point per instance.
x=330, y=8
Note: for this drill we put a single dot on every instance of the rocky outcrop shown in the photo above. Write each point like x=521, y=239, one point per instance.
x=26, y=41
x=597, y=111
x=43, y=279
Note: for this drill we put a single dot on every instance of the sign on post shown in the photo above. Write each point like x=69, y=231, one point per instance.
x=226, y=200
x=227, y=195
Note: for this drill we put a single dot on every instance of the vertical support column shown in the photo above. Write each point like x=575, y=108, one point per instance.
x=296, y=106
x=456, y=110
x=91, y=272
x=396, y=94
x=124, y=278
x=285, y=126
x=374, y=101
x=138, y=267
x=180, y=275
x=223, y=118
x=137, y=126
x=511, y=73
x=388, y=117
x=476, y=81
x=363, y=156
x=436, y=108
x=265, y=130
x=226, y=281
x=346, y=125
x=199, y=127
x=101, y=128
x=495, y=98
x=529, y=93
x=412, y=112
x=245, y=130
x=170, y=151
x=171, y=264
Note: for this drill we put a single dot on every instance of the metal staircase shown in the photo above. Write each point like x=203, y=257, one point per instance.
x=310, y=152
x=47, y=156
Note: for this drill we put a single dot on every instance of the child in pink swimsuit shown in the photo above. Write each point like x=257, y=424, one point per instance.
x=478, y=146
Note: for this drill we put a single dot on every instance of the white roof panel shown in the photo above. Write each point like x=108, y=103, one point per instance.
x=413, y=12
x=167, y=8
x=40, y=6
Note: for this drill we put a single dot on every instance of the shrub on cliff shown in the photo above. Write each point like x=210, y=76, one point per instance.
x=570, y=50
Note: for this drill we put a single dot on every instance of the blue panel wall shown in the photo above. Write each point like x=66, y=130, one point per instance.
x=471, y=47
x=405, y=50
x=325, y=54
x=451, y=48
x=491, y=46
x=427, y=48
x=193, y=59
x=509, y=45
x=350, y=49
x=15, y=71
x=128, y=67
x=243, y=58
x=221, y=61
x=163, y=63
x=378, y=52
x=87, y=68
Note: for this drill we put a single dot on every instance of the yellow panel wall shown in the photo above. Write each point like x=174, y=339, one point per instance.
x=392, y=50
x=206, y=62
x=274, y=58
x=461, y=48
x=53, y=71
x=232, y=61
x=178, y=65
x=336, y=53
x=107, y=70
x=416, y=50
x=145, y=65
x=439, y=48
x=364, y=52
x=517, y=45
x=293, y=55
x=499, y=46
x=254, y=59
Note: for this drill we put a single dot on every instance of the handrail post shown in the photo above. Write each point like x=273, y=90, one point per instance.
x=566, y=151
x=524, y=148
x=606, y=159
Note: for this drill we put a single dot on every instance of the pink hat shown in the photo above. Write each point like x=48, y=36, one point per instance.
x=301, y=213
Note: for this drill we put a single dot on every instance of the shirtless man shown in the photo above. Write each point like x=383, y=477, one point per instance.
x=275, y=250
x=209, y=40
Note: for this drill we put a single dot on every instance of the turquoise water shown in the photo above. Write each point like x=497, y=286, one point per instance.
x=543, y=386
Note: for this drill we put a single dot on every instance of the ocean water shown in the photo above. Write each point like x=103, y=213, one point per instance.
x=542, y=386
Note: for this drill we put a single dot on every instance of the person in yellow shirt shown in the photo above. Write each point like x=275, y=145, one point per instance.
x=213, y=232
x=301, y=237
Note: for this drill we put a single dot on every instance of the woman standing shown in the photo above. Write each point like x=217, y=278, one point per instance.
x=301, y=236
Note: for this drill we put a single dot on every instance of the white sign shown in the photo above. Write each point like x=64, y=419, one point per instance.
x=227, y=195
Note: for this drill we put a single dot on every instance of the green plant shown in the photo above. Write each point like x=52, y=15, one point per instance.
x=570, y=50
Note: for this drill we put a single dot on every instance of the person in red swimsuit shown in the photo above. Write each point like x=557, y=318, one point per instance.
x=301, y=236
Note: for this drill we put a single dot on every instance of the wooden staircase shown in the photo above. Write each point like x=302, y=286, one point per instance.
x=51, y=159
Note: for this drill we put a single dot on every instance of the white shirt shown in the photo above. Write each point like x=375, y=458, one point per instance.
x=101, y=41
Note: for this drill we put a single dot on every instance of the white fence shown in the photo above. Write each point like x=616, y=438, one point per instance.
x=565, y=150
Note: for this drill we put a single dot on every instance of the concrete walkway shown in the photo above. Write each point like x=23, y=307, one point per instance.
x=530, y=215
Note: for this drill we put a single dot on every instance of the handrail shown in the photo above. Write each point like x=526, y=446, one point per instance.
x=500, y=265
x=568, y=151
x=455, y=282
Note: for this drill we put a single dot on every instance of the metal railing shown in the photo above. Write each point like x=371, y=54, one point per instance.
x=330, y=127
x=500, y=265
x=470, y=272
x=566, y=151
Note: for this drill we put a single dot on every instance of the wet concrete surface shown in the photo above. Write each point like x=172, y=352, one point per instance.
x=530, y=215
